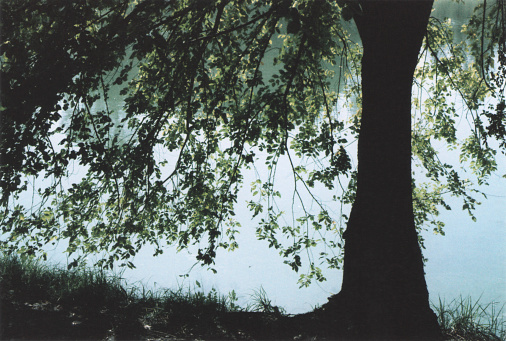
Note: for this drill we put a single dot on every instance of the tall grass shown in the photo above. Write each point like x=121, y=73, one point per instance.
x=101, y=297
x=470, y=320
x=32, y=281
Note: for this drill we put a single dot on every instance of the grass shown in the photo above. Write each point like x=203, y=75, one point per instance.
x=467, y=319
x=40, y=301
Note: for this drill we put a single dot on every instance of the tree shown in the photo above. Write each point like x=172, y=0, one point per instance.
x=384, y=290
x=224, y=86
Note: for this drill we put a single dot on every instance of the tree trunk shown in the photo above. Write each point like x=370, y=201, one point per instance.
x=384, y=294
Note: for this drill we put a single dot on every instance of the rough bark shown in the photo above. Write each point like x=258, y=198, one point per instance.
x=384, y=293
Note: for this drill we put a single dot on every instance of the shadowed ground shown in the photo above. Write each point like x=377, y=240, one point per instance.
x=47, y=321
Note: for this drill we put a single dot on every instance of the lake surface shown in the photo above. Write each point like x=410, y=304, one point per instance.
x=470, y=260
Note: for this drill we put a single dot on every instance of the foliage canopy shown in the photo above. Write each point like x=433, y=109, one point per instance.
x=211, y=90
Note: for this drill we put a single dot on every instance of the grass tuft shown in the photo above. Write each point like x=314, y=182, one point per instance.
x=466, y=319
x=262, y=303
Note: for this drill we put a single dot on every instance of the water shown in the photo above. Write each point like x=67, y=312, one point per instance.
x=470, y=260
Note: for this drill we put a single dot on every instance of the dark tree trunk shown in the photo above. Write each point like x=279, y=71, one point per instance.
x=384, y=294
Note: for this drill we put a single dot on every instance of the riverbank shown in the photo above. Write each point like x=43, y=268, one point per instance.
x=48, y=302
